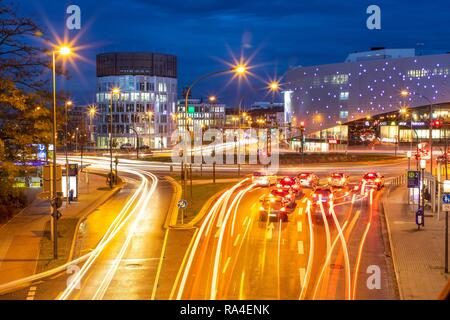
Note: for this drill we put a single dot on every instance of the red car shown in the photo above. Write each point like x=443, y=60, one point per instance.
x=289, y=183
x=373, y=180
x=322, y=195
x=272, y=209
x=288, y=197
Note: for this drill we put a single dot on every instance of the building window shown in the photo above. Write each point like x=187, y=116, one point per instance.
x=344, y=95
x=343, y=114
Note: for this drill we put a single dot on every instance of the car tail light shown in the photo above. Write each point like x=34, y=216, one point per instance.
x=283, y=209
x=331, y=196
x=314, y=195
x=279, y=185
x=261, y=208
x=329, y=179
x=309, y=178
x=377, y=180
x=295, y=187
x=287, y=179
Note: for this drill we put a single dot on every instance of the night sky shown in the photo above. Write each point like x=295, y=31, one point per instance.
x=202, y=33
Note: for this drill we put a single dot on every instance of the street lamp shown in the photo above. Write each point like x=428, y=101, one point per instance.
x=92, y=112
x=63, y=51
x=212, y=99
x=406, y=93
x=239, y=70
x=67, y=105
x=274, y=86
x=114, y=91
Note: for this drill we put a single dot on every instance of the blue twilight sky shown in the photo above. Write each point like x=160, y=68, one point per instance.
x=277, y=33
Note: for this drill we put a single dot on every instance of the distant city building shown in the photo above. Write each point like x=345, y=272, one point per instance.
x=200, y=113
x=146, y=103
x=333, y=99
x=267, y=113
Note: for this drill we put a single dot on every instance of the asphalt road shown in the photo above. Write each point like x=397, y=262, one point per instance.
x=235, y=256
x=232, y=255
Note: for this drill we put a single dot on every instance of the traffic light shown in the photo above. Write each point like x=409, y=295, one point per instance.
x=302, y=125
x=436, y=124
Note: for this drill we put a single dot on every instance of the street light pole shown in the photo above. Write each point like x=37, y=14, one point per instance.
x=67, y=104
x=113, y=91
x=53, y=188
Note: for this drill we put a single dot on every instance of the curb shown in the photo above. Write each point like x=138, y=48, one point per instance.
x=391, y=248
x=172, y=214
x=89, y=210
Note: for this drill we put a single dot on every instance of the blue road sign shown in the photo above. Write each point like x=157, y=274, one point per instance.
x=182, y=204
x=446, y=198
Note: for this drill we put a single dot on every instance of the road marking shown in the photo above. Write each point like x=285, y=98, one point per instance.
x=226, y=265
x=31, y=293
x=237, y=240
x=302, y=276
x=300, y=247
x=245, y=221
x=300, y=211
x=304, y=200
x=299, y=226
x=241, y=287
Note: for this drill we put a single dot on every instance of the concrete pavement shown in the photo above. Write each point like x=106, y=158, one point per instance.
x=418, y=255
x=20, y=238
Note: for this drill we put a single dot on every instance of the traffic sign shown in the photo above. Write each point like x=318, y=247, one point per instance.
x=446, y=202
x=413, y=179
x=446, y=198
x=182, y=204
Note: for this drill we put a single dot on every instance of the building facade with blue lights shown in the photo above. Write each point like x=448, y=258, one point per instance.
x=367, y=90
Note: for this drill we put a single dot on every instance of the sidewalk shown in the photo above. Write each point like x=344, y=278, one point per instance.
x=20, y=238
x=418, y=255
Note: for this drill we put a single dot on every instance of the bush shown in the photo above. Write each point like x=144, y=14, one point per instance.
x=12, y=200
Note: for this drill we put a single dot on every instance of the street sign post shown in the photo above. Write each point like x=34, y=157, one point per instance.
x=446, y=208
x=446, y=202
x=182, y=204
x=413, y=179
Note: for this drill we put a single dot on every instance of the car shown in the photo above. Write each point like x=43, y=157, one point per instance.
x=288, y=197
x=144, y=148
x=443, y=158
x=272, y=208
x=372, y=180
x=262, y=179
x=290, y=183
x=126, y=146
x=338, y=180
x=308, y=180
x=322, y=195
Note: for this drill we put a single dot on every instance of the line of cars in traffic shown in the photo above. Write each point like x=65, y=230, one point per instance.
x=281, y=200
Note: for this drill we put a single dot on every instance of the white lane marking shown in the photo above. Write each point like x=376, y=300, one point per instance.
x=245, y=221
x=237, y=240
x=226, y=265
x=31, y=293
x=300, y=247
x=302, y=276
x=300, y=211
x=299, y=226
